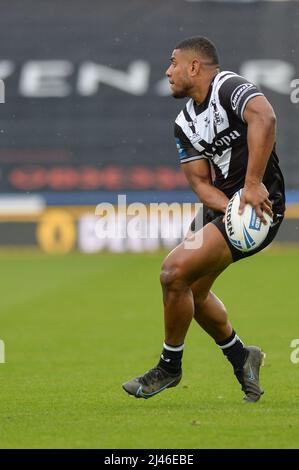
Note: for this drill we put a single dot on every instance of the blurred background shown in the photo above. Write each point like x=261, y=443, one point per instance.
x=87, y=112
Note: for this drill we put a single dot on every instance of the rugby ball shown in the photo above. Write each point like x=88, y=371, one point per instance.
x=245, y=232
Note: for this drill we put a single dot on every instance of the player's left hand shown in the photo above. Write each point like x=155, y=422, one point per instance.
x=257, y=195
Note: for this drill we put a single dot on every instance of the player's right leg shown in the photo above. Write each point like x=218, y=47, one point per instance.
x=181, y=268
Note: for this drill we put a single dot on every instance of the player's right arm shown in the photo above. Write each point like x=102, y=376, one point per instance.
x=198, y=174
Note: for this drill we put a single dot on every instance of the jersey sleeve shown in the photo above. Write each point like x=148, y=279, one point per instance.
x=235, y=93
x=187, y=152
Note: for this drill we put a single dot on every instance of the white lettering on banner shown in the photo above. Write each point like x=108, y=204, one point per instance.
x=49, y=78
x=135, y=80
x=88, y=242
x=41, y=79
x=273, y=74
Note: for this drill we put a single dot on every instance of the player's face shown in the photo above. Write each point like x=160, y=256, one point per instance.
x=177, y=74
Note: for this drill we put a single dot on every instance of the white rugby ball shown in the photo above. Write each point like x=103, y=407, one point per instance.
x=246, y=232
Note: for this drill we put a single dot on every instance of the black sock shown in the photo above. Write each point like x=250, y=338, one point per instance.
x=171, y=358
x=234, y=350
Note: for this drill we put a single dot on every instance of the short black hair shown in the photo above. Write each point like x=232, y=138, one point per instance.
x=203, y=46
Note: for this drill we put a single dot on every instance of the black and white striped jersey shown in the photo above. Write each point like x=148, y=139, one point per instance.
x=216, y=130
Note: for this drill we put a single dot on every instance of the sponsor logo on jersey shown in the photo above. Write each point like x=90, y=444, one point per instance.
x=218, y=146
x=238, y=94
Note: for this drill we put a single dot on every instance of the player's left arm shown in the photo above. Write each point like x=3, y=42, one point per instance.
x=261, y=132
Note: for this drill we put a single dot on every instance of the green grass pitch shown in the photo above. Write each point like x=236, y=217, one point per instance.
x=76, y=327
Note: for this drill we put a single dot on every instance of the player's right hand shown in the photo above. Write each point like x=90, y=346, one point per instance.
x=257, y=195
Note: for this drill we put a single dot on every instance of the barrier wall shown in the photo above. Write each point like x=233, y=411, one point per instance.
x=61, y=230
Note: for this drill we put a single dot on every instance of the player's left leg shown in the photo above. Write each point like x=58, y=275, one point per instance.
x=210, y=313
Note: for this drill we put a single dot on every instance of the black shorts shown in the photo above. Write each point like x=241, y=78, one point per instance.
x=216, y=218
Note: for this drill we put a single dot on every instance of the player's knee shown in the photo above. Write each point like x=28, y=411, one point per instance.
x=172, y=276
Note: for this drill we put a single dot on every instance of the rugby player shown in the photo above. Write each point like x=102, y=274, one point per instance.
x=226, y=141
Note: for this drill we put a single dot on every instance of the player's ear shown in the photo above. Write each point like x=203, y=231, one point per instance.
x=195, y=67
